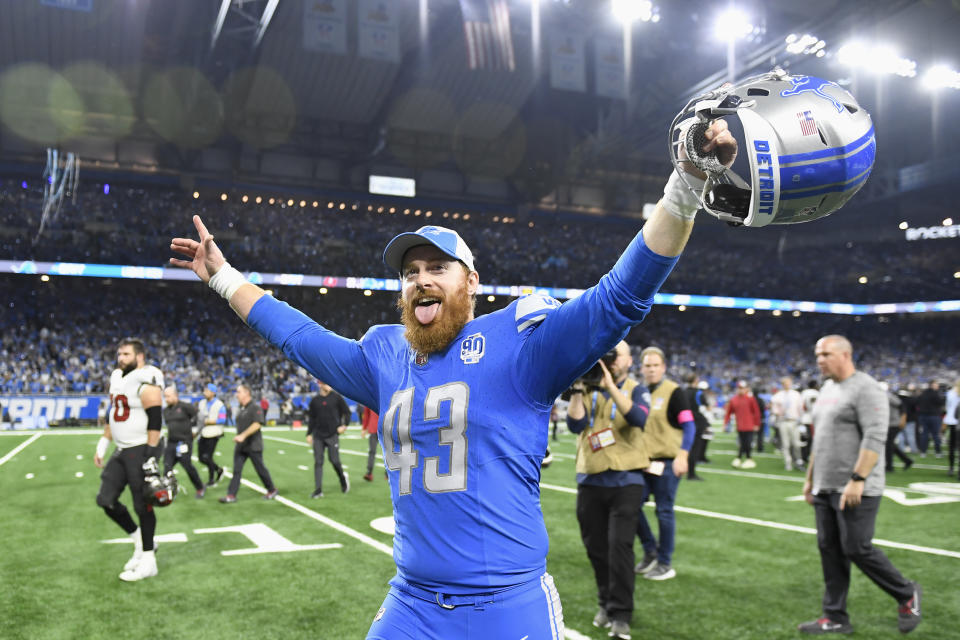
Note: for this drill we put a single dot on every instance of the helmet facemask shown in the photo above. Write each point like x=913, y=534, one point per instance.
x=804, y=143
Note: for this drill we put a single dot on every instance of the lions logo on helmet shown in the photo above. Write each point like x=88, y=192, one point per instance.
x=809, y=145
x=160, y=490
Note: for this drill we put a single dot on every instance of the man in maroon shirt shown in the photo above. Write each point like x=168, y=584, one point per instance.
x=744, y=406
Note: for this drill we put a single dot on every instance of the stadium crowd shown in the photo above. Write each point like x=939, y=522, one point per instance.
x=60, y=337
x=124, y=225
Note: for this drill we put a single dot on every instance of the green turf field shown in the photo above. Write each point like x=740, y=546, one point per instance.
x=746, y=558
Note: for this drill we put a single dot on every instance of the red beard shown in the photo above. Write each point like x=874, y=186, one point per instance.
x=455, y=312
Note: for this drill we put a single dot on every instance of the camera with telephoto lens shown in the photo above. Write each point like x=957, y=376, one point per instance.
x=592, y=379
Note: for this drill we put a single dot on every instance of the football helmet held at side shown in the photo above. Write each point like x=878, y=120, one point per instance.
x=160, y=490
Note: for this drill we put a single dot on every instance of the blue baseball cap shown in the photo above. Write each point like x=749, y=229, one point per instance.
x=447, y=240
x=212, y=388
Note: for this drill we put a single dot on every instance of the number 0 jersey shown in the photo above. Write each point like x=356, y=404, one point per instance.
x=128, y=420
x=463, y=430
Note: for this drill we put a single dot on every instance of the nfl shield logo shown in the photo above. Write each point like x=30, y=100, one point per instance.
x=471, y=349
x=420, y=359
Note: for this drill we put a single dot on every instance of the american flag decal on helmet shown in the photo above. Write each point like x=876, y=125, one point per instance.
x=807, y=124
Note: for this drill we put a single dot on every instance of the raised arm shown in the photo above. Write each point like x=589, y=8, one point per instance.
x=668, y=229
x=206, y=260
x=323, y=353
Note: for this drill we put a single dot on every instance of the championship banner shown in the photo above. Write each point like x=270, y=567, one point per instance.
x=325, y=26
x=567, y=67
x=610, y=72
x=378, y=30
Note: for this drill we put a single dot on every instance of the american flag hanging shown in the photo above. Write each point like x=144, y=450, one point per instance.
x=486, y=24
x=807, y=124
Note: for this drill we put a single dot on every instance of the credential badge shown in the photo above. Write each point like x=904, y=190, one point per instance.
x=472, y=348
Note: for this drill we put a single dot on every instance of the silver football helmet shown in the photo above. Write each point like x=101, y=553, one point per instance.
x=809, y=145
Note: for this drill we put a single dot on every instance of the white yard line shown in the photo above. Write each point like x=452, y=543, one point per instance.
x=571, y=634
x=310, y=513
x=20, y=447
x=779, y=525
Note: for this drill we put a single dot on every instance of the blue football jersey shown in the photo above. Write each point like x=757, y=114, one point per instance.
x=463, y=430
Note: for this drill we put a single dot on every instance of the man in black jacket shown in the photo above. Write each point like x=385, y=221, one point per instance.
x=693, y=393
x=180, y=418
x=249, y=444
x=929, y=423
x=328, y=418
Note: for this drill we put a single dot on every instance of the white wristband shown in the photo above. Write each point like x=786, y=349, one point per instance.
x=678, y=199
x=102, y=445
x=226, y=281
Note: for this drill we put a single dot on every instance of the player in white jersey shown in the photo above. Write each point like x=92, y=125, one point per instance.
x=134, y=425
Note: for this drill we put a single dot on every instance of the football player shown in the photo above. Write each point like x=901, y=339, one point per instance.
x=464, y=404
x=134, y=424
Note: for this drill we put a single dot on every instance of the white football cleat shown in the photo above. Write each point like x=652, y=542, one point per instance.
x=137, y=551
x=133, y=561
x=137, y=554
x=147, y=568
x=749, y=464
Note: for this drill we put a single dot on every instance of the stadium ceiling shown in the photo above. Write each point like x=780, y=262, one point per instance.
x=228, y=90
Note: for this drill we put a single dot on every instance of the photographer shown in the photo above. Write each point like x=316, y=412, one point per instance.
x=609, y=419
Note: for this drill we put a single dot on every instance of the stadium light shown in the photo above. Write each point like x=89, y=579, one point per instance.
x=947, y=222
x=777, y=313
x=682, y=307
x=303, y=203
x=732, y=24
x=956, y=274
x=904, y=226
x=329, y=205
x=876, y=59
x=272, y=200
x=862, y=279
x=629, y=11
x=196, y=194
x=491, y=298
x=466, y=216
x=223, y=196
x=290, y=202
x=806, y=44
x=244, y=199
x=941, y=77
x=367, y=292
x=258, y=200
x=323, y=291
x=315, y=204
x=750, y=312
x=44, y=278
x=795, y=314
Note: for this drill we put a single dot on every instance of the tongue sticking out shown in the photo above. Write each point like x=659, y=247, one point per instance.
x=426, y=313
